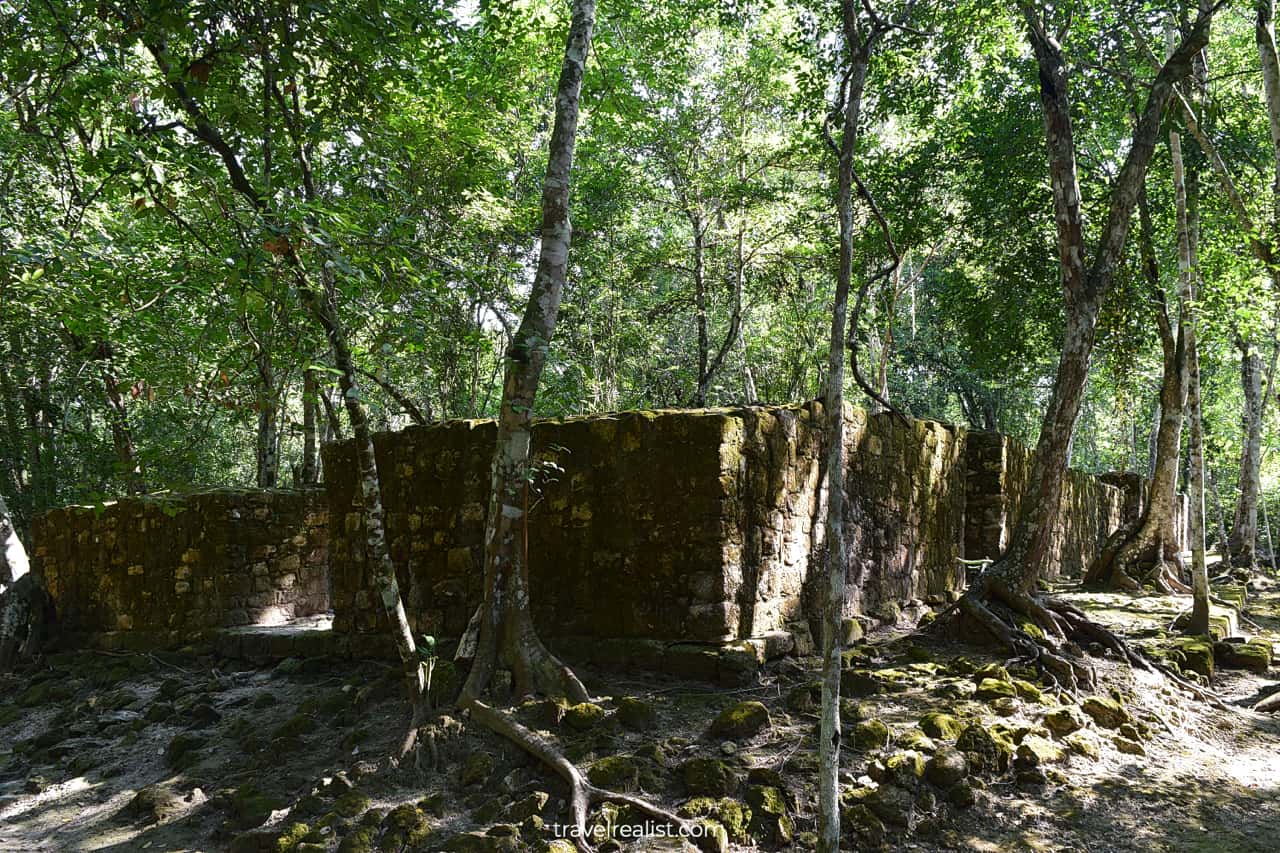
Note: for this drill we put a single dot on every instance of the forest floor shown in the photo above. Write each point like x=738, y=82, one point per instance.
x=183, y=752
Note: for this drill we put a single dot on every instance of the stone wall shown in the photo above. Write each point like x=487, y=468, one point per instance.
x=665, y=525
x=1092, y=507
x=183, y=564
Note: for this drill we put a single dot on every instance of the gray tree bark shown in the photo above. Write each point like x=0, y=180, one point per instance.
x=506, y=638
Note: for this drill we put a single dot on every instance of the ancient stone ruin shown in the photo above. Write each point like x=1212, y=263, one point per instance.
x=671, y=539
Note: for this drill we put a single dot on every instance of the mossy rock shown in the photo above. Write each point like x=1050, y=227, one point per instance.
x=637, y=714
x=251, y=807
x=1129, y=747
x=994, y=688
x=44, y=693
x=1194, y=654
x=856, y=658
x=358, y=840
x=1107, y=713
x=990, y=670
x=741, y=721
x=917, y=740
x=527, y=807
x=184, y=751
x=293, y=835
x=1064, y=721
x=859, y=682
x=864, y=824
x=770, y=821
x=1254, y=655
x=941, y=726
x=352, y=803
x=988, y=750
x=1026, y=690
x=1085, y=744
x=154, y=803
x=893, y=805
x=733, y=815
x=905, y=768
x=710, y=777
x=583, y=716
x=804, y=698
x=1035, y=751
x=405, y=827
x=615, y=772
x=476, y=768
x=870, y=734
x=947, y=767
x=961, y=666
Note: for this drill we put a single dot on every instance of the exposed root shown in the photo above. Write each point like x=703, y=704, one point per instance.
x=1120, y=564
x=582, y=794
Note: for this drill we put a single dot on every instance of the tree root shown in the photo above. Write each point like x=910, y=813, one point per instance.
x=582, y=794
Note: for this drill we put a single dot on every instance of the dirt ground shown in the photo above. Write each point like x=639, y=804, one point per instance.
x=182, y=751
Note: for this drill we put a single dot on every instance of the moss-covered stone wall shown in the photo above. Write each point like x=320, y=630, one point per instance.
x=671, y=525
x=186, y=563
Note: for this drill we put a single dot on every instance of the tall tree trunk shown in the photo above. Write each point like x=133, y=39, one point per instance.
x=1084, y=286
x=310, y=470
x=1153, y=540
x=1242, y=546
x=858, y=46
x=1188, y=238
x=506, y=638
x=268, y=433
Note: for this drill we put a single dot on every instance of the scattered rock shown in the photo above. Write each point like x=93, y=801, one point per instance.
x=522, y=810
x=947, y=767
x=734, y=816
x=1107, y=713
x=615, y=772
x=250, y=807
x=637, y=714
x=709, y=776
x=404, y=827
x=741, y=721
x=995, y=688
x=1064, y=721
x=870, y=734
x=583, y=716
x=941, y=726
x=1084, y=743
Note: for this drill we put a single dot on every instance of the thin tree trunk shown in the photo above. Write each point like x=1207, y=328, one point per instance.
x=268, y=434
x=310, y=472
x=858, y=46
x=1153, y=538
x=506, y=638
x=700, y=305
x=1187, y=223
x=1219, y=515
x=1242, y=546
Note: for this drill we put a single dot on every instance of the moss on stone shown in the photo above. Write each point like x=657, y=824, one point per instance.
x=637, y=714
x=709, y=776
x=1107, y=713
x=742, y=720
x=994, y=688
x=252, y=807
x=870, y=734
x=615, y=772
x=476, y=768
x=296, y=726
x=941, y=726
x=351, y=803
x=583, y=716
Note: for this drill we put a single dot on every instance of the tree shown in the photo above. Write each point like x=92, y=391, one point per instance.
x=1087, y=278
